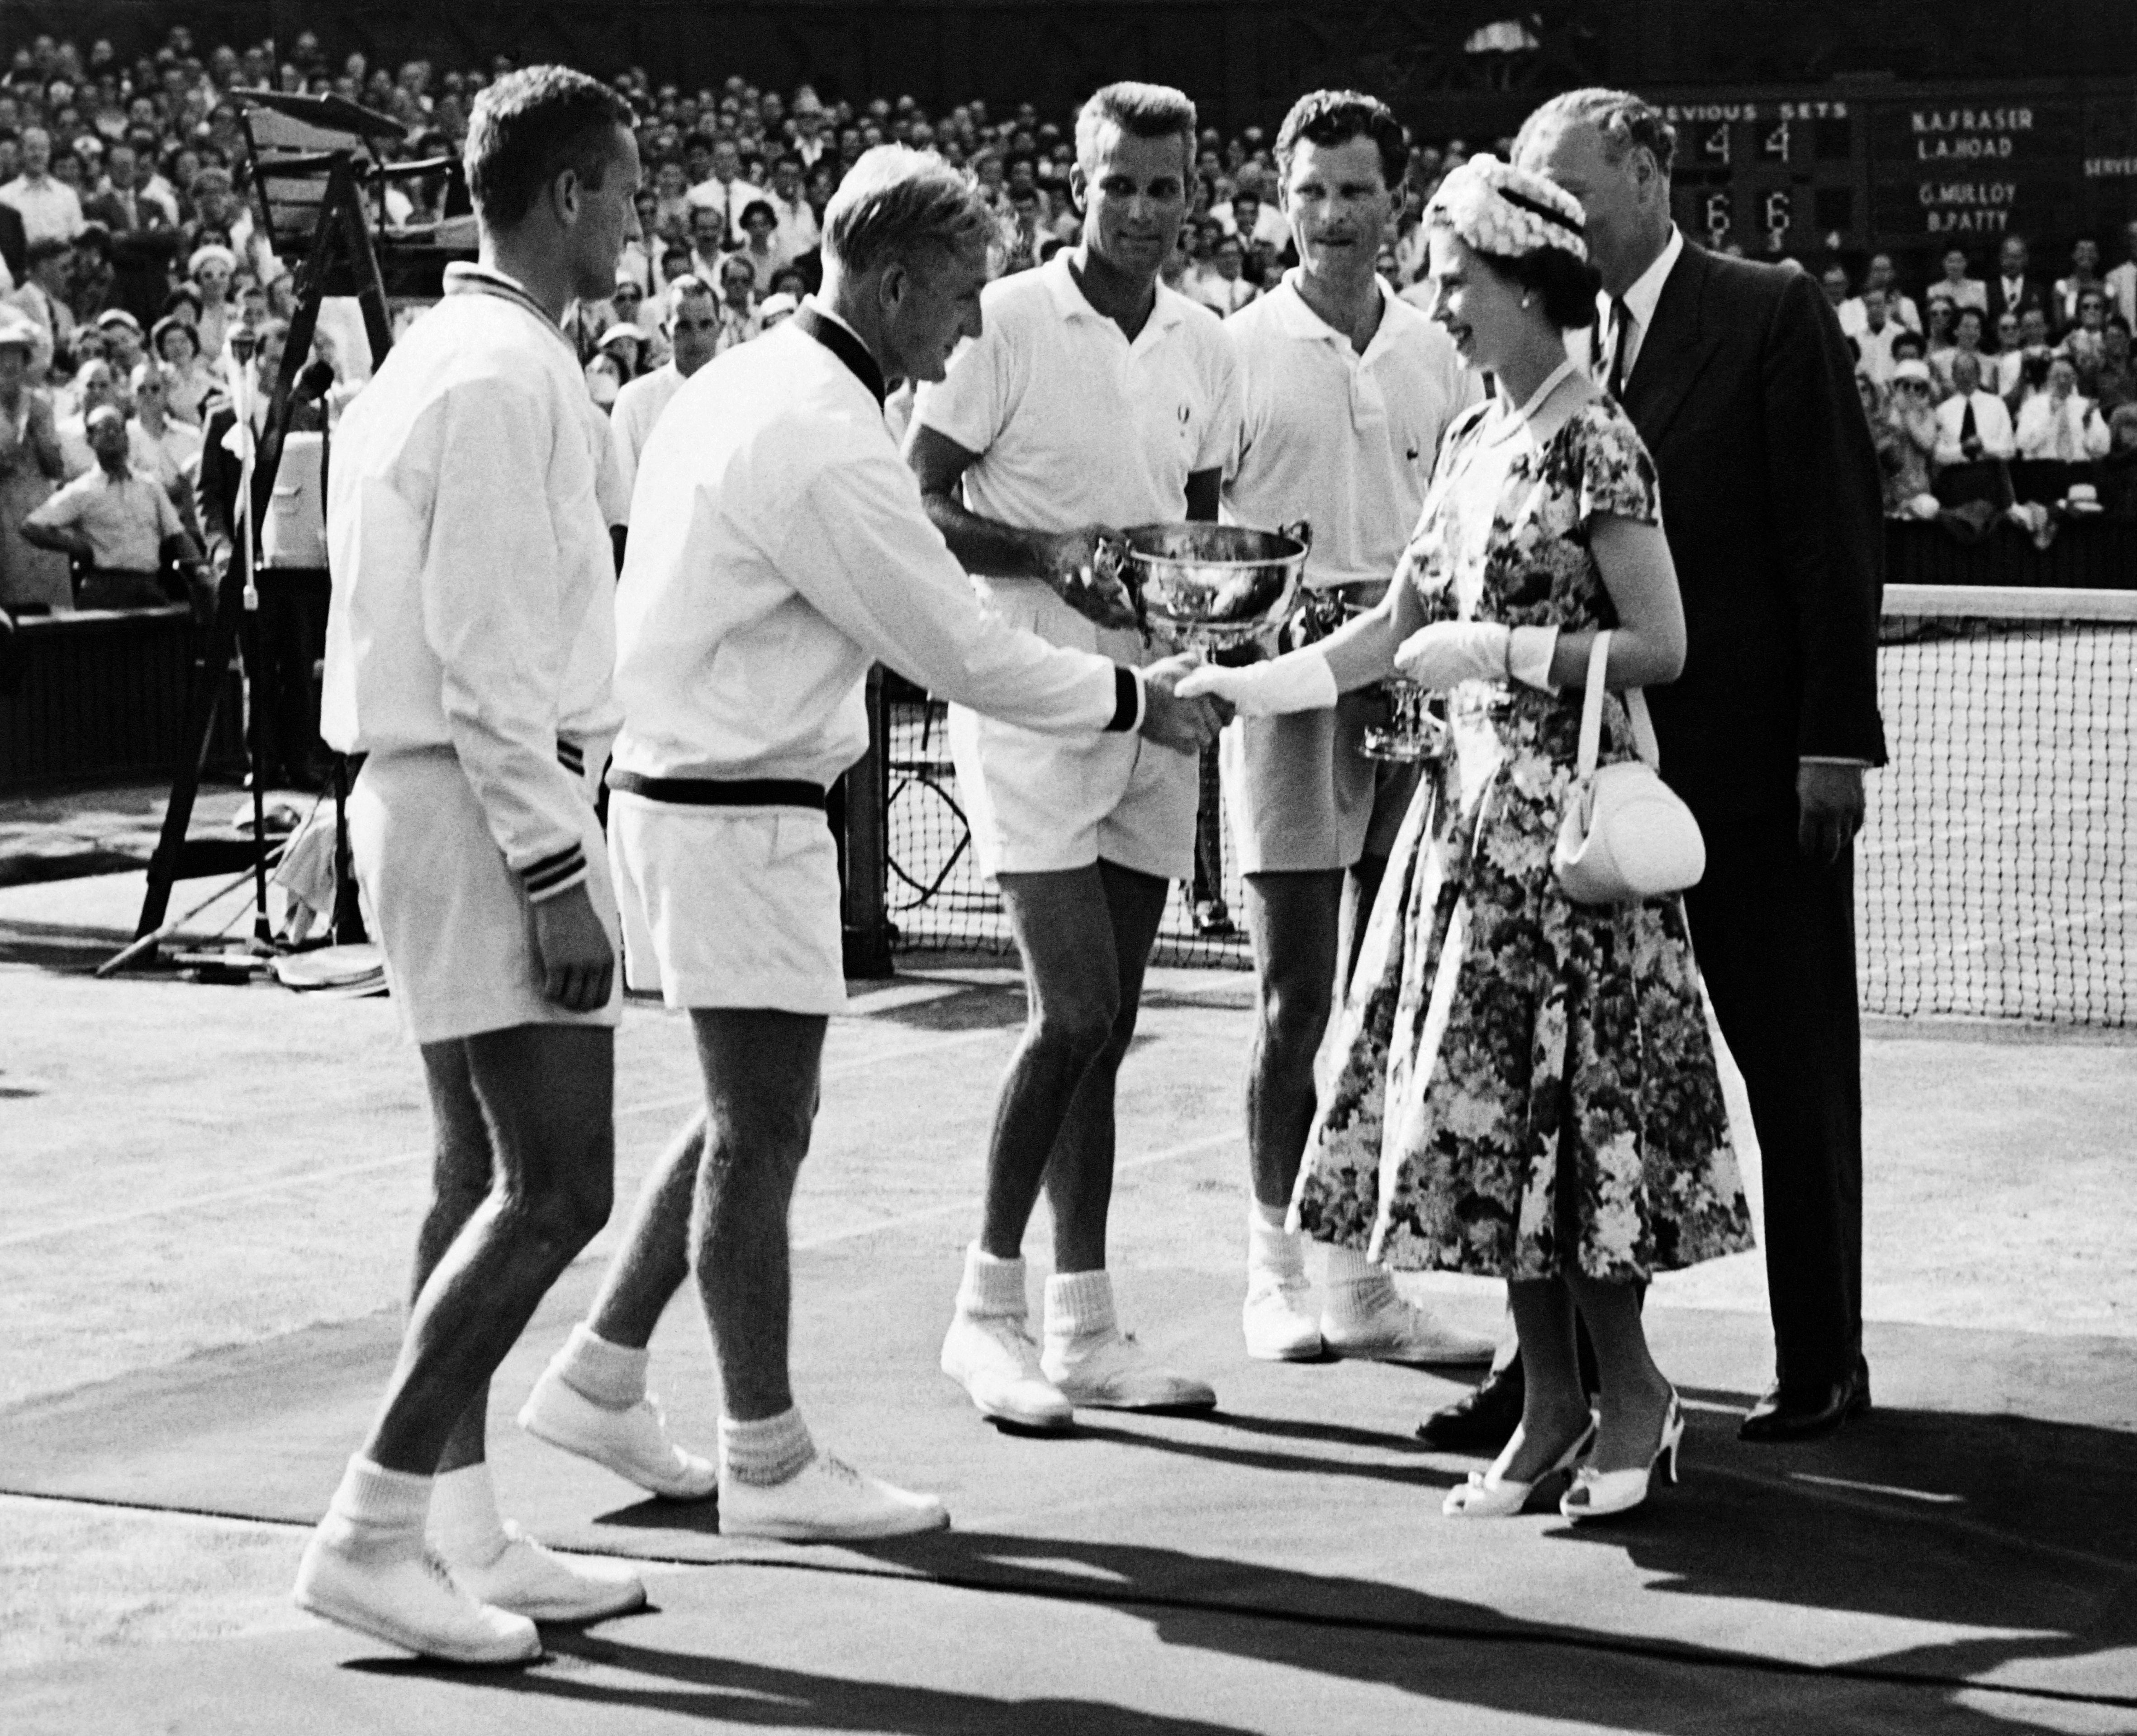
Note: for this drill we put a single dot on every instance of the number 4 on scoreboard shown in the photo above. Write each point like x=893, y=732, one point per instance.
x=1775, y=143
x=1714, y=146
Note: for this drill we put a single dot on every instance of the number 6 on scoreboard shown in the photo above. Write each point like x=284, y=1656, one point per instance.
x=1719, y=215
x=1779, y=209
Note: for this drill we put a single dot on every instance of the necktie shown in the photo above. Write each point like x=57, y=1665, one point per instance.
x=1968, y=430
x=1621, y=324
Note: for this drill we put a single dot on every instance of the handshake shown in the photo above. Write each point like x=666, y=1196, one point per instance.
x=1186, y=725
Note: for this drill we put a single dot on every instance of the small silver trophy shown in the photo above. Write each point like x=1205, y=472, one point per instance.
x=1415, y=732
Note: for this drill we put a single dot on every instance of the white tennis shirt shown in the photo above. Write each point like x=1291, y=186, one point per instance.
x=1072, y=422
x=1343, y=439
x=778, y=547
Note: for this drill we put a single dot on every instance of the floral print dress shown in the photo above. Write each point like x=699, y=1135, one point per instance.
x=1518, y=1085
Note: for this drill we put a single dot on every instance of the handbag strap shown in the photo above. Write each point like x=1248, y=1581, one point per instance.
x=1644, y=741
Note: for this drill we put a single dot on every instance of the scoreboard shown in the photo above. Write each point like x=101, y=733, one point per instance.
x=1906, y=170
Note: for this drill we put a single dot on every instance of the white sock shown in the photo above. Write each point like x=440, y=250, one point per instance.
x=993, y=1289
x=613, y=1376
x=463, y=1517
x=1356, y=1287
x=1080, y=1305
x=775, y=1450
x=376, y=1509
x=1269, y=1248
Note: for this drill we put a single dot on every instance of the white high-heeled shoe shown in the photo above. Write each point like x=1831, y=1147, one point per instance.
x=1488, y=1495
x=1598, y=1494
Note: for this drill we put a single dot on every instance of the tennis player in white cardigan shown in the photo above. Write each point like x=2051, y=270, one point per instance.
x=468, y=649
x=778, y=547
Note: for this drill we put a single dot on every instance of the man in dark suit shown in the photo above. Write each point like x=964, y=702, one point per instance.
x=2014, y=289
x=1740, y=381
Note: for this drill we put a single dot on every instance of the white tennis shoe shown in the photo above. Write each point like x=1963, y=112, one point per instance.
x=1278, y=1319
x=1110, y=1370
x=635, y=1443
x=993, y=1358
x=1380, y=1327
x=826, y=1501
x=409, y=1597
x=536, y=1582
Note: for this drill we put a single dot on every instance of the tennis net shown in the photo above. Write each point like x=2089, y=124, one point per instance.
x=1997, y=877
x=1997, y=874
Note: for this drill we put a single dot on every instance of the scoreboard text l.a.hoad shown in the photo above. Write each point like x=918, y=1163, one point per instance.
x=1910, y=170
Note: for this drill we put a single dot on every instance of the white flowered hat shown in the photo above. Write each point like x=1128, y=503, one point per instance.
x=1508, y=212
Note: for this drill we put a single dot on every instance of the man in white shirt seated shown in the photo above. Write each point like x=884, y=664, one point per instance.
x=2057, y=424
x=1973, y=426
x=1873, y=338
x=470, y=645
x=50, y=210
x=780, y=548
x=1854, y=312
x=1096, y=397
x=798, y=231
x=1346, y=391
x=119, y=525
x=724, y=190
x=693, y=331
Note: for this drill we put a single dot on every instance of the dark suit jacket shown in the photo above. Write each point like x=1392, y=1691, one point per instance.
x=2034, y=295
x=1744, y=394
x=14, y=244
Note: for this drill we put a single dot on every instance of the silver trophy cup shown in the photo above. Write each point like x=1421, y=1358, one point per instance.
x=1208, y=587
x=1416, y=731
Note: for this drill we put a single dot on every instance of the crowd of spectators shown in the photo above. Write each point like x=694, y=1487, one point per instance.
x=2012, y=400
x=136, y=279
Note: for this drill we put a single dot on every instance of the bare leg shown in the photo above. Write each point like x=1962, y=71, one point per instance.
x=655, y=1260
x=1554, y=1409
x=1293, y=920
x=1636, y=1393
x=462, y=1171
x=1079, y=1172
x=547, y=1096
x=762, y=1070
x=1064, y=935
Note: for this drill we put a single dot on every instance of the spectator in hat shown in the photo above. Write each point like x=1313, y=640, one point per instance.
x=122, y=339
x=120, y=527
x=211, y=270
x=625, y=345
x=775, y=308
x=33, y=581
x=50, y=210
x=188, y=381
x=1907, y=441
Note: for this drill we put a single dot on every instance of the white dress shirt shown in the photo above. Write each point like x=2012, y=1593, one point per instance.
x=48, y=207
x=1992, y=426
x=1898, y=308
x=2071, y=430
x=781, y=547
x=1640, y=303
x=1343, y=439
x=1873, y=349
x=473, y=577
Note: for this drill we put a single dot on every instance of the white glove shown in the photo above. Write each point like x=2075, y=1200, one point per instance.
x=1299, y=680
x=1449, y=653
x=1529, y=660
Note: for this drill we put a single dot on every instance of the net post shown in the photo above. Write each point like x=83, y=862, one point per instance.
x=866, y=914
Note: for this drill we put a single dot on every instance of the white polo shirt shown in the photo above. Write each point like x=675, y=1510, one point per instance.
x=1345, y=442
x=1073, y=424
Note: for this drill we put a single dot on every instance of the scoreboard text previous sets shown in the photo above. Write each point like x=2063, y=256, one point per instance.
x=1907, y=170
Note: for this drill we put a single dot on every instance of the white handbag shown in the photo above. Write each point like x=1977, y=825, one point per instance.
x=1626, y=835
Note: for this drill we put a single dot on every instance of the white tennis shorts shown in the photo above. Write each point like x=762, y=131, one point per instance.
x=729, y=906
x=453, y=921
x=1301, y=796
x=1038, y=803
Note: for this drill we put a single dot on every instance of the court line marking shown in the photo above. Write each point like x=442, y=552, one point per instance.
x=1510, y=1632
x=253, y=1190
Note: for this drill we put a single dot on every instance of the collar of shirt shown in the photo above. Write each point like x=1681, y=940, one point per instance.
x=1646, y=290
x=819, y=322
x=464, y=277
x=1167, y=311
x=1297, y=317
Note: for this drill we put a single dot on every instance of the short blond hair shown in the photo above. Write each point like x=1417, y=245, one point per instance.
x=897, y=204
x=1141, y=110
